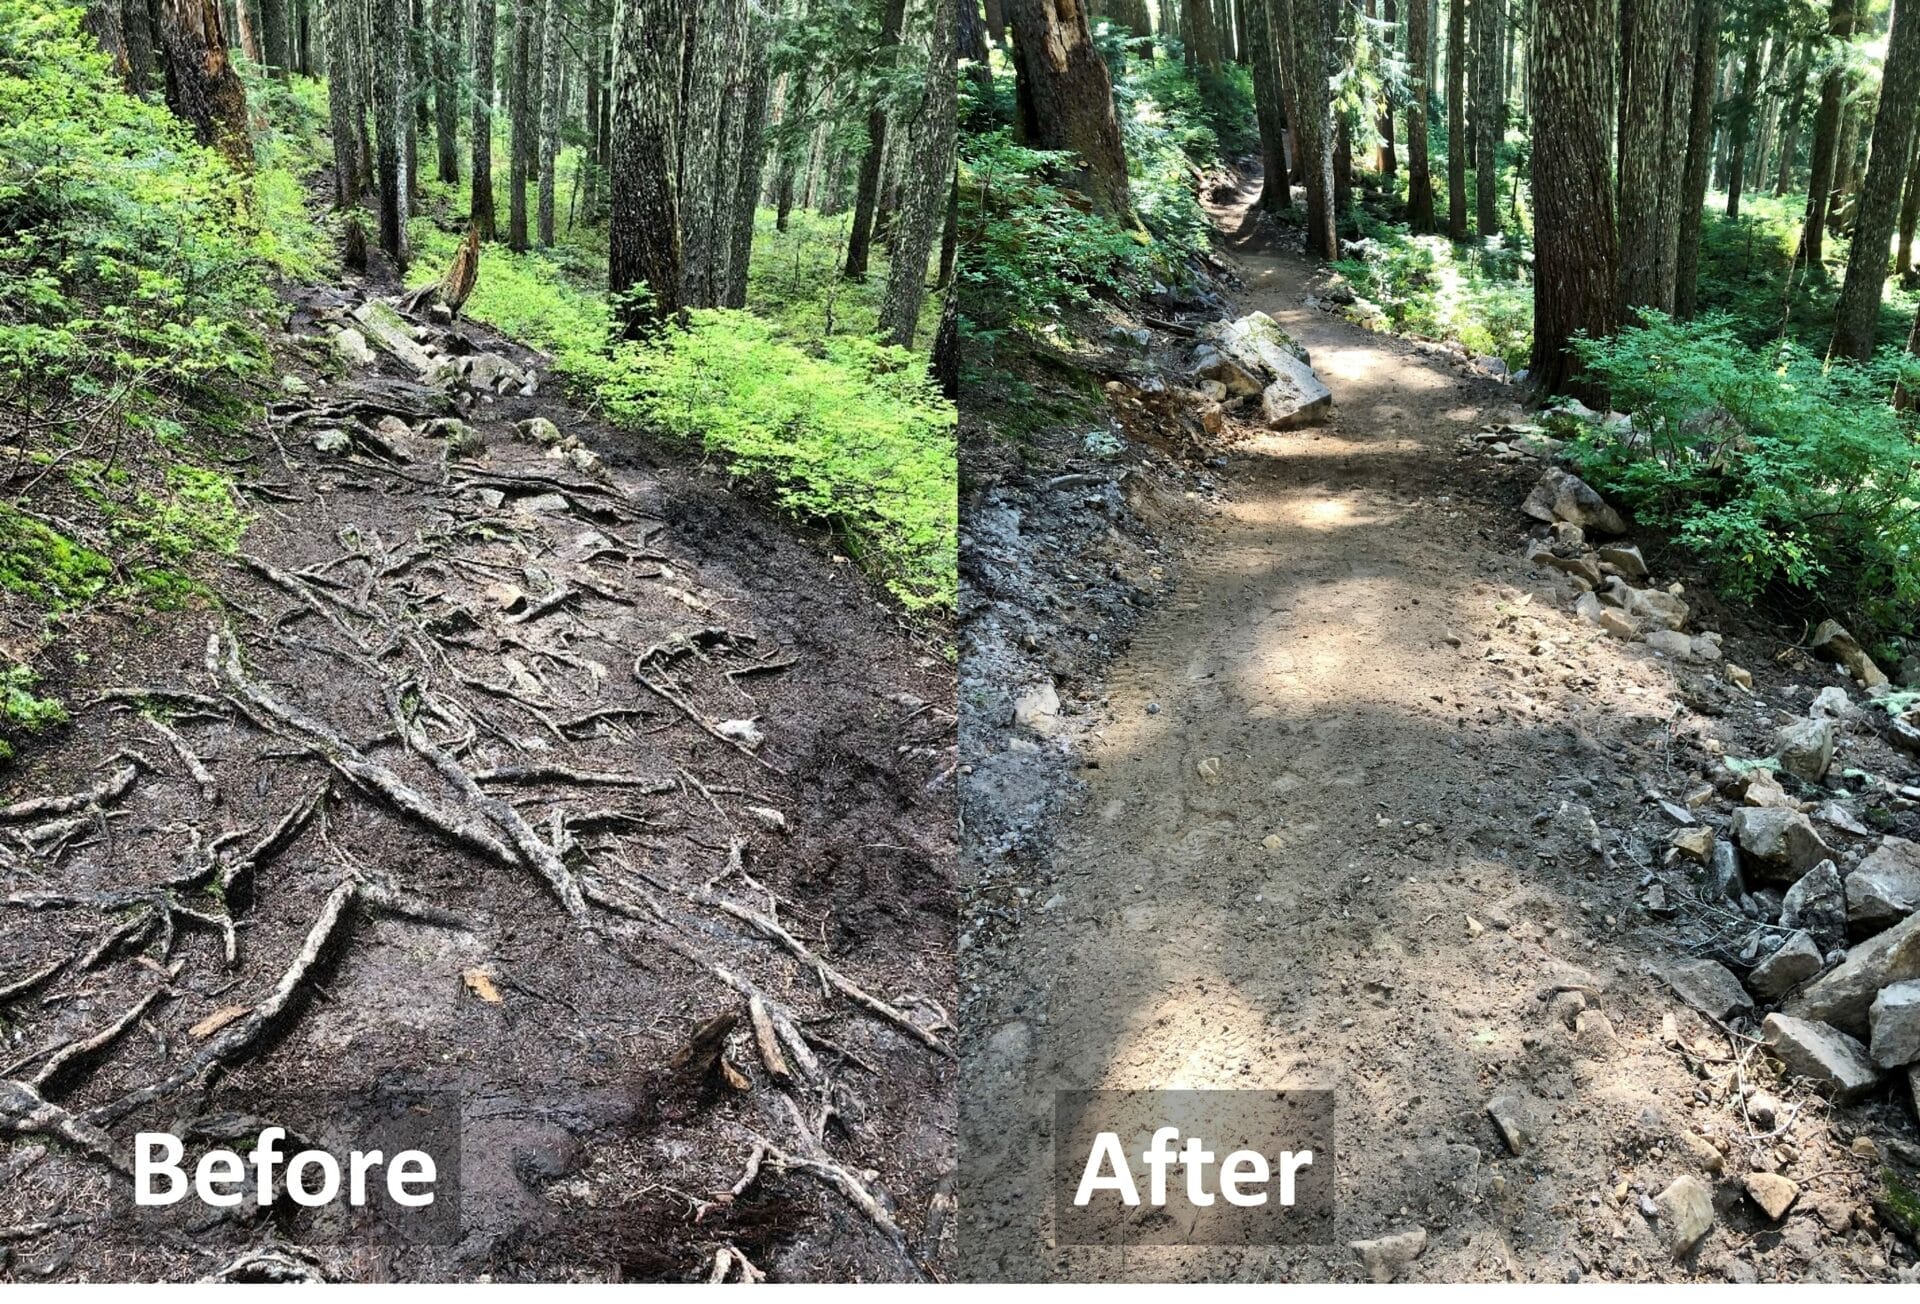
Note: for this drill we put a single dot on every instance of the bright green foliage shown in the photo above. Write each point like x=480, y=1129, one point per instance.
x=22, y=711
x=42, y=565
x=1779, y=472
x=1426, y=286
x=854, y=435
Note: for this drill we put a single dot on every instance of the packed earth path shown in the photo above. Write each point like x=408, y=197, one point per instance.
x=515, y=760
x=1352, y=816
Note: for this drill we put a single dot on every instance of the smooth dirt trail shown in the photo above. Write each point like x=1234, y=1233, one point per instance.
x=1354, y=642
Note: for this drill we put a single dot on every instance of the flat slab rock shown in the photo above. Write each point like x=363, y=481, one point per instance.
x=1895, y=1019
x=1293, y=395
x=1823, y=1053
x=1843, y=996
x=1886, y=887
x=1708, y=987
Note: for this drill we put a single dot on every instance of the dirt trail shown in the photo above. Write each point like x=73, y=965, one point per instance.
x=1409, y=732
x=567, y=754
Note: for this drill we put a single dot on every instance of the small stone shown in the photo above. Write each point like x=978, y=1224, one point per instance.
x=295, y=385
x=1686, y=1213
x=1805, y=748
x=1832, y=642
x=1385, y=1256
x=1781, y=844
x=1822, y=1053
x=1038, y=708
x=1885, y=888
x=745, y=732
x=1772, y=1192
x=1704, y=1153
x=1619, y=625
x=544, y=504
x=1626, y=558
x=768, y=818
x=1510, y=1115
x=1475, y=927
x=1798, y=959
x=1209, y=769
x=1739, y=676
x=1593, y=1033
x=1832, y=703
x=332, y=440
x=352, y=347
x=1272, y=842
x=1894, y=1018
x=538, y=430
x=1671, y=643
x=1708, y=987
x=1562, y=496
x=1695, y=843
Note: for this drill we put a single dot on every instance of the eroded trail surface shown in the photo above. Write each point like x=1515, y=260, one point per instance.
x=1334, y=832
x=509, y=760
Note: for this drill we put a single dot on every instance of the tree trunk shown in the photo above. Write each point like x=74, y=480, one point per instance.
x=1790, y=122
x=1269, y=111
x=867, y=196
x=275, y=47
x=522, y=122
x=243, y=32
x=480, y=204
x=1706, y=59
x=1389, y=158
x=1909, y=213
x=389, y=56
x=1826, y=142
x=136, y=29
x=928, y=161
x=203, y=90
x=445, y=38
x=1655, y=86
x=1489, y=115
x=949, y=235
x=1202, y=40
x=944, y=366
x=553, y=95
x=643, y=227
x=1065, y=97
x=1576, y=257
x=753, y=152
x=341, y=99
x=1457, y=119
x=1857, y=315
x=1419, y=170
x=1742, y=126
x=708, y=173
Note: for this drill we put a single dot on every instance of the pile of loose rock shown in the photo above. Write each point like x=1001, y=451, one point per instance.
x=1837, y=951
x=1251, y=367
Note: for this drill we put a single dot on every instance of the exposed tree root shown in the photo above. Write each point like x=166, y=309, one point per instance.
x=23, y=1112
x=80, y=1051
x=109, y=790
x=687, y=709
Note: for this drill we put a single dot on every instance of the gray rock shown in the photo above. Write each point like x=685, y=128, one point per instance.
x=1563, y=496
x=1817, y=903
x=1672, y=643
x=538, y=430
x=1798, y=959
x=1583, y=566
x=1619, y=624
x=1297, y=399
x=1885, y=888
x=1778, y=844
x=1514, y=1118
x=1708, y=987
x=1832, y=641
x=386, y=329
x=1626, y=558
x=1894, y=1017
x=1686, y=1213
x=745, y=732
x=1843, y=996
x=544, y=504
x=1805, y=748
x=1654, y=607
x=1384, y=1256
x=351, y=345
x=1038, y=708
x=1724, y=882
x=332, y=440
x=1213, y=367
x=1832, y=703
x=1823, y=1053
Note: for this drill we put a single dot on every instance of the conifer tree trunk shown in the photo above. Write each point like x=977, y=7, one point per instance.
x=1656, y=85
x=1269, y=112
x=480, y=203
x=1826, y=142
x=1576, y=257
x=928, y=163
x=553, y=94
x=275, y=47
x=203, y=90
x=1420, y=87
x=1065, y=97
x=643, y=226
x=1389, y=158
x=1706, y=58
x=1857, y=315
x=136, y=30
x=1302, y=30
x=866, y=197
x=1457, y=119
x=757, y=88
x=342, y=95
x=1790, y=113
x=1488, y=115
x=522, y=121
x=445, y=38
x=1742, y=125
x=1909, y=213
x=389, y=56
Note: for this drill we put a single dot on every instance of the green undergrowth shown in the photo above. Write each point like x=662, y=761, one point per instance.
x=134, y=271
x=792, y=395
x=1794, y=479
x=1429, y=287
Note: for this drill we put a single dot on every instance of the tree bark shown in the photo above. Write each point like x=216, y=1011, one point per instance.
x=1389, y=157
x=342, y=96
x=867, y=193
x=1655, y=85
x=203, y=90
x=929, y=180
x=1706, y=60
x=553, y=94
x=643, y=227
x=522, y=123
x=445, y=38
x=1269, y=112
x=1909, y=213
x=389, y=56
x=1826, y=141
x=275, y=48
x=1742, y=125
x=1457, y=119
x=1202, y=38
x=1065, y=97
x=480, y=203
x=1576, y=257
x=1301, y=33
x=708, y=171
x=1419, y=169
x=1857, y=315
x=1489, y=115
x=755, y=91
x=1790, y=122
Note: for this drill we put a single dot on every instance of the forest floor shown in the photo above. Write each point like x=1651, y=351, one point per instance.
x=1384, y=879
x=503, y=760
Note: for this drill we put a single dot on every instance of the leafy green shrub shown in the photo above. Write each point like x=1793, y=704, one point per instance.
x=1776, y=469
x=854, y=435
x=1426, y=286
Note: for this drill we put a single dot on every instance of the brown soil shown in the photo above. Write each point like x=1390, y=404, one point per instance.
x=586, y=1155
x=1420, y=725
